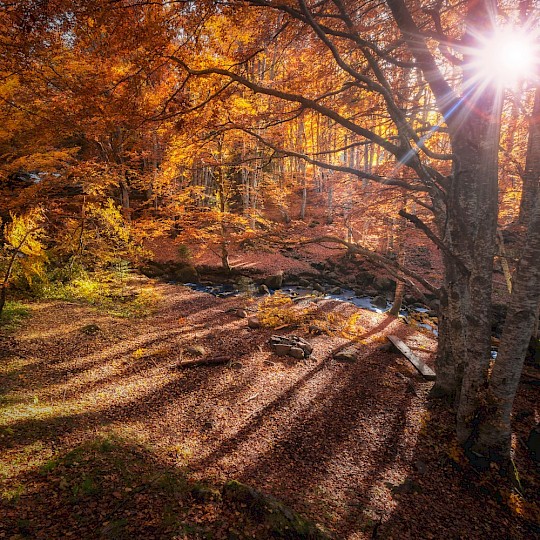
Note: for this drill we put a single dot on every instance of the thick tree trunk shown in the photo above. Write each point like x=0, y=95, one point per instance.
x=474, y=222
x=494, y=435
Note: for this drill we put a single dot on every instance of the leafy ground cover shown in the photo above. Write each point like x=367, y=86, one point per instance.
x=102, y=435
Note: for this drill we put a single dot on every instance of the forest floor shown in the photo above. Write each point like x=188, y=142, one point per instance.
x=104, y=435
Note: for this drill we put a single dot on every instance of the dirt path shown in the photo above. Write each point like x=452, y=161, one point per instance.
x=349, y=445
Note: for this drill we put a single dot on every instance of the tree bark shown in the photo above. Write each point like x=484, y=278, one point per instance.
x=494, y=435
x=531, y=175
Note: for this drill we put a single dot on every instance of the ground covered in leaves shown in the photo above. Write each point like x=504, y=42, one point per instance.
x=103, y=434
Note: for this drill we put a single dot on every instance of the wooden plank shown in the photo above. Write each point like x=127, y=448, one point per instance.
x=424, y=370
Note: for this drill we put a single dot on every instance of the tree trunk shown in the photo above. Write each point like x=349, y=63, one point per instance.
x=400, y=285
x=494, y=435
x=531, y=175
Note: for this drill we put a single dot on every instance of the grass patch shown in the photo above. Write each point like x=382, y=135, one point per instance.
x=108, y=292
x=12, y=315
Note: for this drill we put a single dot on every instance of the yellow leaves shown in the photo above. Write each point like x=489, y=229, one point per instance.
x=278, y=310
x=47, y=161
x=25, y=231
x=139, y=353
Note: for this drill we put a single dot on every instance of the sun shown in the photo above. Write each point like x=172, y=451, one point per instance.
x=507, y=57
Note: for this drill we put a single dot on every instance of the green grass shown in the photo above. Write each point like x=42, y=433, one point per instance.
x=13, y=315
x=106, y=291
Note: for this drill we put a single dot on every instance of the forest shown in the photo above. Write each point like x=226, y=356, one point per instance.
x=270, y=269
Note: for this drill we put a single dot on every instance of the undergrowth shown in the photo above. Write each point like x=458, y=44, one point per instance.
x=108, y=291
x=12, y=315
x=279, y=310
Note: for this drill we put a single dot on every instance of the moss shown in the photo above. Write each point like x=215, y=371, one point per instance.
x=281, y=520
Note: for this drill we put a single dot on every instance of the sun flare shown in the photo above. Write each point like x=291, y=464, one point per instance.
x=508, y=56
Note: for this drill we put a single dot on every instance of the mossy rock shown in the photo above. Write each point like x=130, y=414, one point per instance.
x=186, y=274
x=90, y=329
x=281, y=520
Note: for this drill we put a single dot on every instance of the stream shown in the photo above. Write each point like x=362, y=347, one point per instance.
x=363, y=302
x=227, y=290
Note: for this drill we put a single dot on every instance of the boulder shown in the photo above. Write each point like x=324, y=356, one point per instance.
x=318, y=287
x=335, y=291
x=364, y=278
x=263, y=289
x=275, y=281
x=296, y=352
x=347, y=355
x=253, y=323
x=282, y=349
x=185, y=274
x=379, y=302
x=384, y=284
x=302, y=282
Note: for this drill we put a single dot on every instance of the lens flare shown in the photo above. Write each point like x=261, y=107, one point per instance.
x=507, y=57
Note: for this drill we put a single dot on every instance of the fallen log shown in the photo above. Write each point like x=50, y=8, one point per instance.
x=215, y=361
x=422, y=368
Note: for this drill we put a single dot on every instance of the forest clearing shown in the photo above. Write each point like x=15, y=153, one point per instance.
x=269, y=269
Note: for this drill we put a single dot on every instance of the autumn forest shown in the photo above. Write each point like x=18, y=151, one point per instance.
x=269, y=269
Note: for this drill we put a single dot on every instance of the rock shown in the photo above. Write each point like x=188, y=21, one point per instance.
x=319, y=288
x=385, y=347
x=384, y=284
x=153, y=270
x=275, y=281
x=294, y=346
x=290, y=278
x=335, y=291
x=237, y=365
x=90, y=329
x=196, y=350
x=185, y=274
x=379, y=302
x=302, y=282
x=242, y=313
x=347, y=355
x=364, y=278
x=296, y=352
x=269, y=363
x=533, y=443
x=282, y=349
x=263, y=289
x=253, y=323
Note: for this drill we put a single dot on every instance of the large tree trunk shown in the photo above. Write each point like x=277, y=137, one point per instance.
x=494, y=435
